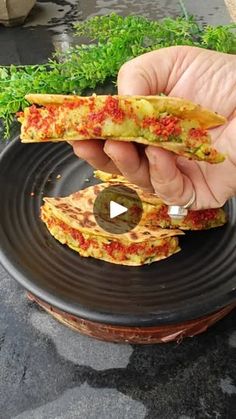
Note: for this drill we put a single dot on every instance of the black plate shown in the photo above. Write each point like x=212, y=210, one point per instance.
x=197, y=281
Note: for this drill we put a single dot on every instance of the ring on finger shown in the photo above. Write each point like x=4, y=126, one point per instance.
x=178, y=212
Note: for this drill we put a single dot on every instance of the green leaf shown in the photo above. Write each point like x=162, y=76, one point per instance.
x=112, y=40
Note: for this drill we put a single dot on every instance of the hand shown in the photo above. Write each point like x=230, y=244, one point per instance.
x=205, y=77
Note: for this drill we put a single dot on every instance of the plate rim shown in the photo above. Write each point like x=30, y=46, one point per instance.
x=157, y=318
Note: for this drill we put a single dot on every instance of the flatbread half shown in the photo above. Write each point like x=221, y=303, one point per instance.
x=71, y=221
x=172, y=123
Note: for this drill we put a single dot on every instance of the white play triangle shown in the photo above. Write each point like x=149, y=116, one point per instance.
x=116, y=209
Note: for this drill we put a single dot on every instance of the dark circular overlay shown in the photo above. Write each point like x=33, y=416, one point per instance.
x=194, y=282
x=119, y=197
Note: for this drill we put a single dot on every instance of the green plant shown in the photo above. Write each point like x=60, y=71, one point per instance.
x=112, y=40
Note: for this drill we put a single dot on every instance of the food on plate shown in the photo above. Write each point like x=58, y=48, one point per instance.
x=172, y=123
x=155, y=211
x=72, y=222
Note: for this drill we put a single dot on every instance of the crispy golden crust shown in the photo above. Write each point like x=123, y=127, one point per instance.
x=96, y=252
x=76, y=210
x=72, y=215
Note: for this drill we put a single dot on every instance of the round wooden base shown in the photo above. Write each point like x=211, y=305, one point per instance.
x=141, y=335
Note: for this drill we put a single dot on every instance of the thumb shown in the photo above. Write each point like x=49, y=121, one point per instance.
x=168, y=182
x=149, y=74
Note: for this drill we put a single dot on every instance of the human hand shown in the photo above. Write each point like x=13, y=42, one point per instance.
x=205, y=77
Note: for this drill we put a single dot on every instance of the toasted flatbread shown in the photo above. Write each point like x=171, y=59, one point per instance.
x=172, y=123
x=71, y=221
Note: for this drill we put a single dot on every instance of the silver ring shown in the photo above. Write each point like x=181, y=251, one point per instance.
x=177, y=212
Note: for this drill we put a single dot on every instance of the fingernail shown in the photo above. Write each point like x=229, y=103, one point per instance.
x=106, y=150
x=151, y=156
x=109, y=154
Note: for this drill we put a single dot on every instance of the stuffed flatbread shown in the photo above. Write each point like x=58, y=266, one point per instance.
x=71, y=221
x=172, y=123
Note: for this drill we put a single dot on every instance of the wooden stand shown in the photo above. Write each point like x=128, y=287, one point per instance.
x=141, y=335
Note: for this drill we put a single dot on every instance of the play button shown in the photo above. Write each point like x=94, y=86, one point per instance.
x=117, y=209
